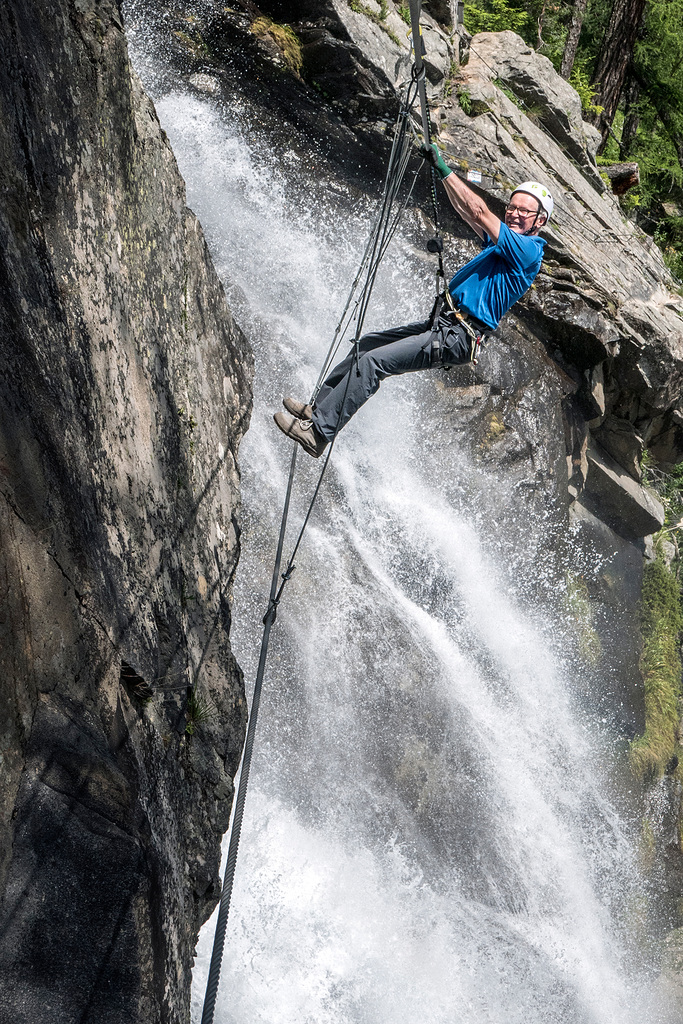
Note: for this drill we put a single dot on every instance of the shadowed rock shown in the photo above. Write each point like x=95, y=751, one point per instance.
x=124, y=394
x=633, y=511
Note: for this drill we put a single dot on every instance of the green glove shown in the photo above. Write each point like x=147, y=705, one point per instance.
x=432, y=154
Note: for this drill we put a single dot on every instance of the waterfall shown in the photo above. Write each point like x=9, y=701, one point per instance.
x=430, y=832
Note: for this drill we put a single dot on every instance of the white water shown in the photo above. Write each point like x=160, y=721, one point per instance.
x=427, y=836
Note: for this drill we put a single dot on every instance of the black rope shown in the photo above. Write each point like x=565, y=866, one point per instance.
x=383, y=231
x=229, y=875
x=381, y=234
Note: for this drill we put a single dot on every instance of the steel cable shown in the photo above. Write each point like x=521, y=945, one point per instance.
x=381, y=235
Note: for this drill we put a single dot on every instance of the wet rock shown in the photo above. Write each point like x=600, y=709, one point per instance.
x=630, y=509
x=620, y=439
x=595, y=394
x=665, y=439
x=205, y=83
x=124, y=394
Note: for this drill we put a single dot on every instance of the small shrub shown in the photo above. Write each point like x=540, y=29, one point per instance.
x=580, y=80
x=465, y=101
x=674, y=261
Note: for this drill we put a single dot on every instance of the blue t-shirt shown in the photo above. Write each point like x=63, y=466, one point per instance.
x=492, y=282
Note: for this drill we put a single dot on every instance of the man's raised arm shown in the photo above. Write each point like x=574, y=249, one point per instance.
x=467, y=203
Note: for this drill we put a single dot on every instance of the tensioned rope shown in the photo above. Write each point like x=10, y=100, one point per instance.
x=384, y=229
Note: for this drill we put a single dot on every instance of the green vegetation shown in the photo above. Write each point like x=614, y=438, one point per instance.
x=284, y=37
x=648, y=124
x=465, y=101
x=669, y=488
x=194, y=44
x=661, y=626
x=450, y=79
x=580, y=80
x=198, y=710
x=404, y=12
x=495, y=428
x=500, y=84
x=662, y=622
x=496, y=16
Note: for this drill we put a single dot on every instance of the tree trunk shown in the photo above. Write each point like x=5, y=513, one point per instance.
x=539, y=37
x=571, y=45
x=614, y=58
x=631, y=118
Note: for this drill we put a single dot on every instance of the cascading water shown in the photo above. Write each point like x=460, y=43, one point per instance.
x=427, y=836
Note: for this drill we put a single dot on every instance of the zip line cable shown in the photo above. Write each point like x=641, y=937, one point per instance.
x=384, y=229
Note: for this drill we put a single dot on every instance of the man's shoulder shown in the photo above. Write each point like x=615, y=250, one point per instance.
x=522, y=250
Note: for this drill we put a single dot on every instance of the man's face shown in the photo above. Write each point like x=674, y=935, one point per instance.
x=521, y=213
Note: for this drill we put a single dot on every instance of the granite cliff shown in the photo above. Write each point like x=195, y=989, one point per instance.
x=125, y=392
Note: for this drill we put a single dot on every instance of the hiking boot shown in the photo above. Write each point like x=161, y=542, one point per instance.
x=302, y=431
x=298, y=409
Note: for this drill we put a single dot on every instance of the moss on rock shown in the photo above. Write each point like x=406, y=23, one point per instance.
x=284, y=37
x=660, y=665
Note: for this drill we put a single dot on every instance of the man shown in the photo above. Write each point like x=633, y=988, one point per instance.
x=480, y=293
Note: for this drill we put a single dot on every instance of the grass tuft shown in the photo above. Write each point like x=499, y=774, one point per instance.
x=198, y=710
x=660, y=664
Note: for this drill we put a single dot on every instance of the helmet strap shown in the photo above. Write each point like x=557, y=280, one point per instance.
x=533, y=224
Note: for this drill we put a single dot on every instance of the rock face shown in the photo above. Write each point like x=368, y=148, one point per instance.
x=360, y=57
x=124, y=393
x=604, y=307
x=505, y=59
x=603, y=314
x=585, y=373
x=126, y=390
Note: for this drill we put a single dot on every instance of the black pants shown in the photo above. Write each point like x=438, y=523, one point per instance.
x=386, y=354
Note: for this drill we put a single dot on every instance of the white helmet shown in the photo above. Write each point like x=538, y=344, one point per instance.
x=538, y=191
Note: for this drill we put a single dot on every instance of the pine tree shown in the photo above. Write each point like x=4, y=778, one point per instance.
x=572, y=43
x=614, y=59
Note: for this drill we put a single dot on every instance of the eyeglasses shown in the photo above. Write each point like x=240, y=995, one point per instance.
x=521, y=211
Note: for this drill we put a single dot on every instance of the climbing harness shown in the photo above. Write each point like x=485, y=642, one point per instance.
x=476, y=336
x=390, y=211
